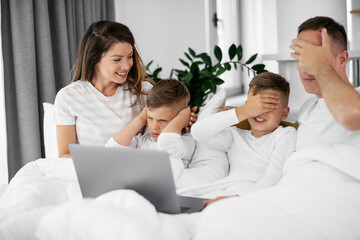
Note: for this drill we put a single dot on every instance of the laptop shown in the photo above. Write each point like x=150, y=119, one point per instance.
x=102, y=169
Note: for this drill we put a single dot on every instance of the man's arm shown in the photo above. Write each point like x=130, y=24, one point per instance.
x=341, y=98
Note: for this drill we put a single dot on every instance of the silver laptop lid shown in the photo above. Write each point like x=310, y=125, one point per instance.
x=102, y=169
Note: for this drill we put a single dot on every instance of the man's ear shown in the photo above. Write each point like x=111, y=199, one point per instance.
x=285, y=113
x=343, y=57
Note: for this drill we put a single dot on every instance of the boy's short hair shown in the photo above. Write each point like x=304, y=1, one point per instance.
x=335, y=30
x=168, y=92
x=269, y=80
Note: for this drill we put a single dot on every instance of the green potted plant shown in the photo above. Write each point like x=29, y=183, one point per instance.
x=202, y=75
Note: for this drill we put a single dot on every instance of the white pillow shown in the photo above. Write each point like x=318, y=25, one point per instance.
x=50, y=138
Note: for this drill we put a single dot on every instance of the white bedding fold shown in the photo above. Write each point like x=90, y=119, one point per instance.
x=341, y=157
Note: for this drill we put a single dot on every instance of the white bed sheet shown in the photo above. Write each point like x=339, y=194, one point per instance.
x=319, y=198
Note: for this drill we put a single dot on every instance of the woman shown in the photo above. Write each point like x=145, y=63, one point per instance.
x=108, y=89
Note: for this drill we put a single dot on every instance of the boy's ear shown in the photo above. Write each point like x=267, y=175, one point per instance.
x=285, y=113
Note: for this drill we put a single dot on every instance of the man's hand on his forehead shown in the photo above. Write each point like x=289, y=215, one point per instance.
x=311, y=59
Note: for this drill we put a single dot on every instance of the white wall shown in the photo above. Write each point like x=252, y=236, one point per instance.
x=164, y=29
x=228, y=30
x=258, y=31
x=291, y=13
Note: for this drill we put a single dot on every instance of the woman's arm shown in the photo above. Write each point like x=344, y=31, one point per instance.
x=66, y=134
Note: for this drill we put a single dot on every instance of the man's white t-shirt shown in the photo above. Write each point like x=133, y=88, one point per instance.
x=317, y=125
x=97, y=117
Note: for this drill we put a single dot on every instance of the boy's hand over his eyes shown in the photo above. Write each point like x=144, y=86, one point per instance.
x=260, y=103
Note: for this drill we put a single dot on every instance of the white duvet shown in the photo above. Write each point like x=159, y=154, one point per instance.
x=318, y=198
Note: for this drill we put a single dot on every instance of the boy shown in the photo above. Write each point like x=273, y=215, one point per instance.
x=256, y=156
x=166, y=115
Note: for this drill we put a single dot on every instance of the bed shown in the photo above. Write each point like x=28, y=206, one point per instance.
x=318, y=198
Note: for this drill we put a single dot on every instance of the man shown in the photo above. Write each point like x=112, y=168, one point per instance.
x=319, y=194
x=321, y=53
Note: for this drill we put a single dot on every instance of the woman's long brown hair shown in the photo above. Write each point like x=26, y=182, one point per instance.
x=98, y=39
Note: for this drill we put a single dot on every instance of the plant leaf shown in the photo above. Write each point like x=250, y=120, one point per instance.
x=218, y=53
x=206, y=73
x=232, y=51
x=251, y=59
x=239, y=52
x=171, y=73
x=201, y=55
x=155, y=74
x=194, y=67
x=192, y=52
x=218, y=81
x=214, y=68
x=188, y=56
x=205, y=85
x=235, y=66
x=188, y=77
x=261, y=71
x=220, y=71
x=184, y=63
x=148, y=65
x=212, y=87
x=258, y=67
x=227, y=65
x=206, y=59
x=179, y=71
